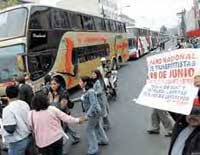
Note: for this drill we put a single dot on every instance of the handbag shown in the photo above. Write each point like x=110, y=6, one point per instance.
x=32, y=148
x=70, y=104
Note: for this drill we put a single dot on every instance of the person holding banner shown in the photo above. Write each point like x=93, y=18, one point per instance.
x=157, y=117
x=186, y=134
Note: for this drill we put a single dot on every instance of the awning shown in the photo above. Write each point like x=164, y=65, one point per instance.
x=193, y=33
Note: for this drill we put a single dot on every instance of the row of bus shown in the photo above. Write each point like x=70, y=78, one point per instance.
x=143, y=40
x=42, y=40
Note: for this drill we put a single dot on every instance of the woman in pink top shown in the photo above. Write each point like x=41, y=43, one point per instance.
x=45, y=121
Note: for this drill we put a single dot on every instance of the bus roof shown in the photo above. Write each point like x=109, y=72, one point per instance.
x=29, y=5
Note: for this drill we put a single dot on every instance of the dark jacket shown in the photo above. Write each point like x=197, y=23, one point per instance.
x=55, y=100
x=25, y=93
x=192, y=144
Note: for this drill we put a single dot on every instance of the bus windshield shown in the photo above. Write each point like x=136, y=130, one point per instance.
x=8, y=67
x=12, y=23
x=131, y=44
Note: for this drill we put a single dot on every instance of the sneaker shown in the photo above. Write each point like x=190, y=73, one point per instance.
x=169, y=134
x=153, y=131
x=103, y=143
x=75, y=141
x=93, y=154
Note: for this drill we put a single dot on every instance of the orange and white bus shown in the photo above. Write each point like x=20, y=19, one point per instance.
x=139, y=41
x=45, y=40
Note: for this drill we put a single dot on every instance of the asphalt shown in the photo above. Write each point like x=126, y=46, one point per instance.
x=130, y=121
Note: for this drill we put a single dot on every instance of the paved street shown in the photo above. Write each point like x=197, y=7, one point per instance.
x=129, y=121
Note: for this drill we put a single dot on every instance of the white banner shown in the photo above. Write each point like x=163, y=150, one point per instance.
x=170, y=83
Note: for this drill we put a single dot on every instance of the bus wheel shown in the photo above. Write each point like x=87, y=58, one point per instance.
x=114, y=64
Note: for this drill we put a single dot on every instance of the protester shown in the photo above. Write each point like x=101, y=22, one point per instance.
x=25, y=90
x=186, y=134
x=94, y=131
x=104, y=68
x=28, y=81
x=46, y=87
x=56, y=90
x=55, y=93
x=66, y=104
x=101, y=96
x=157, y=117
x=15, y=123
x=110, y=83
x=45, y=121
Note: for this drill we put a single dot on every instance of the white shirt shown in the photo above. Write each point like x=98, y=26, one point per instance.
x=16, y=113
x=180, y=141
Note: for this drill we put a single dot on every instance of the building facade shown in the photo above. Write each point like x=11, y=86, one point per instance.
x=192, y=20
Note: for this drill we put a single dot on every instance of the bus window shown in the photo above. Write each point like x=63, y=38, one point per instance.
x=75, y=20
x=88, y=23
x=59, y=19
x=113, y=26
x=8, y=68
x=119, y=28
x=89, y=53
x=130, y=43
x=99, y=23
x=39, y=18
x=108, y=28
x=10, y=27
x=40, y=64
x=75, y=62
x=124, y=27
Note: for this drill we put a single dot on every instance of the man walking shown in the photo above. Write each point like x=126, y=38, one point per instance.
x=25, y=90
x=157, y=117
x=186, y=134
x=15, y=123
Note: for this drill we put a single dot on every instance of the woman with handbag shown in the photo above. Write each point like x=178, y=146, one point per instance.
x=45, y=122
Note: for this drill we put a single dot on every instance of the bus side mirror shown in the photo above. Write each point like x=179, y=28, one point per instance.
x=21, y=62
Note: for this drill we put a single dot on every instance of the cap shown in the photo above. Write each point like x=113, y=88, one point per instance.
x=195, y=110
x=196, y=106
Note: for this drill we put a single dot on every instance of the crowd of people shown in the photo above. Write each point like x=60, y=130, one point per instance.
x=188, y=43
x=38, y=122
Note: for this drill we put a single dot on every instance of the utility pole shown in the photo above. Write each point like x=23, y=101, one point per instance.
x=181, y=15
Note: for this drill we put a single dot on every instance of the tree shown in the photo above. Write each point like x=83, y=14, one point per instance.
x=163, y=29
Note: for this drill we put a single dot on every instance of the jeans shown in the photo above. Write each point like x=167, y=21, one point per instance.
x=19, y=148
x=95, y=134
x=159, y=116
x=74, y=136
x=54, y=149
